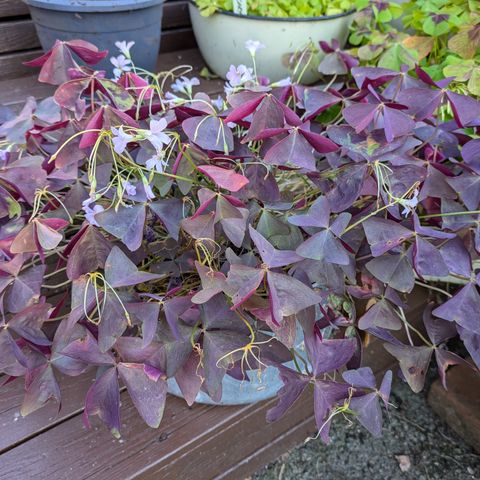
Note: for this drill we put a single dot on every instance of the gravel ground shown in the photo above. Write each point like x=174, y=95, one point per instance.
x=432, y=451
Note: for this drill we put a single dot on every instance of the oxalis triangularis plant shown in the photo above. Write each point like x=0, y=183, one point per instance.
x=148, y=235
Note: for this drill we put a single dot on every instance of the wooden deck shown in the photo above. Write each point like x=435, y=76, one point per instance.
x=203, y=442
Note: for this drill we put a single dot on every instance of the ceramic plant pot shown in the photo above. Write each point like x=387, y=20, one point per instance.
x=102, y=22
x=222, y=36
x=258, y=385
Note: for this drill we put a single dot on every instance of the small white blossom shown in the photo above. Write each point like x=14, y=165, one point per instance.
x=409, y=204
x=157, y=162
x=237, y=76
x=253, y=46
x=185, y=85
x=125, y=47
x=156, y=135
x=91, y=212
x=120, y=139
x=172, y=100
x=122, y=64
x=218, y=103
x=284, y=82
x=148, y=190
x=128, y=188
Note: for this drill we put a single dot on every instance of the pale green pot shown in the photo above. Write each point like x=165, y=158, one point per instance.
x=222, y=36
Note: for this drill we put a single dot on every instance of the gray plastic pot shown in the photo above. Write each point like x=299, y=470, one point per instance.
x=102, y=22
x=222, y=36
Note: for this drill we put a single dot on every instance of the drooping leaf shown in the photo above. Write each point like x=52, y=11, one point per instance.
x=147, y=389
x=103, y=399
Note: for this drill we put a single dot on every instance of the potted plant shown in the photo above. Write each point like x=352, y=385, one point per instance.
x=103, y=23
x=289, y=30
x=152, y=236
x=441, y=36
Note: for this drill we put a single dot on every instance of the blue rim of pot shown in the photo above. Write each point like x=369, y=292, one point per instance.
x=279, y=19
x=92, y=6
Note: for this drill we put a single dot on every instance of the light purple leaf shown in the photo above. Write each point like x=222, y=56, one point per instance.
x=42, y=388
x=463, y=308
x=288, y=295
x=394, y=270
x=361, y=377
x=271, y=256
x=147, y=389
x=414, y=363
x=103, y=399
x=381, y=314
x=242, y=283
x=126, y=223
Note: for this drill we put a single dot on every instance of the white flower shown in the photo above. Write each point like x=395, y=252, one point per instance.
x=128, y=188
x=121, y=64
x=156, y=135
x=237, y=76
x=409, y=204
x=185, y=85
x=284, y=82
x=125, y=47
x=218, y=103
x=91, y=212
x=157, y=162
x=120, y=139
x=148, y=189
x=253, y=46
x=172, y=100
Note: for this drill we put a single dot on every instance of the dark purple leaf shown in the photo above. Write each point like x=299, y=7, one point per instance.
x=380, y=314
x=120, y=271
x=383, y=234
x=293, y=386
x=170, y=212
x=272, y=257
x=89, y=253
x=28, y=323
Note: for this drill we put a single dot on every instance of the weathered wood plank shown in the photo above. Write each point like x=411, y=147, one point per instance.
x=16, y=428
x=175, y=14
x=18, y=35
x=11, y=64
x=12, y=8
x=177, y=39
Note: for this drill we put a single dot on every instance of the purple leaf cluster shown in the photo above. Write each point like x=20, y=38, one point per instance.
x=146, y=235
